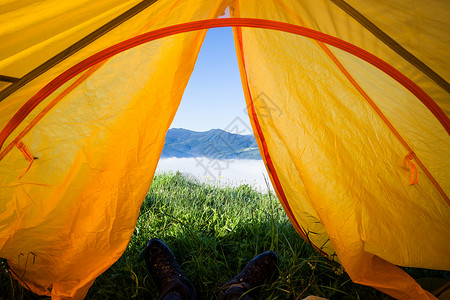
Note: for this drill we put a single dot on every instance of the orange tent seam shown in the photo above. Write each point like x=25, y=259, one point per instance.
x=214, y=23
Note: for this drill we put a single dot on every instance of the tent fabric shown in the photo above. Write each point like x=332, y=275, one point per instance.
x=357, y=158
x=317, y=126
x=72, y=214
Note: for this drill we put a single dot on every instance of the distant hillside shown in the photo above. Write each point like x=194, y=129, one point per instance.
x=215, y=143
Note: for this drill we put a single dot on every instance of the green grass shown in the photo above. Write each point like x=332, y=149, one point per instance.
x=214, y=232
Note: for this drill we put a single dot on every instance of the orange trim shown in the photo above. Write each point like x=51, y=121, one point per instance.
x=213, y=23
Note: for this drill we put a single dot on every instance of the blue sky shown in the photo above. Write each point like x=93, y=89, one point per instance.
x=214, y=97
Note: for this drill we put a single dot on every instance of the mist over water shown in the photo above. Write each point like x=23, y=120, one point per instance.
x=233, y=172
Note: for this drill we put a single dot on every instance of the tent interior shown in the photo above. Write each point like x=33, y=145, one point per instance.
x=358, y=156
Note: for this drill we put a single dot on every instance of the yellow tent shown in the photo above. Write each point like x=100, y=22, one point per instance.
x=359, y=156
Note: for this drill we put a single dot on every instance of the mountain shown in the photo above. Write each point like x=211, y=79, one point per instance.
x=215, y=143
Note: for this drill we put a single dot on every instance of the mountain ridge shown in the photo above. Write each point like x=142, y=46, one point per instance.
x=214, y=143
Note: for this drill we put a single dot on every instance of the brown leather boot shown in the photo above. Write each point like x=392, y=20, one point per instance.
x=259, y=270
x=162, y=264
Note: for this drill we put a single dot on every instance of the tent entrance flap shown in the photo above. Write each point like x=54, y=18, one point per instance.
x=361, y=141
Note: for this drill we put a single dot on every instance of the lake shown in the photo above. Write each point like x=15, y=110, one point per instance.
x=232, y=172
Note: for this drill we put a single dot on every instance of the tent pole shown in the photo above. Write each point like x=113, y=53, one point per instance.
x=20, y=82
x=391, y=43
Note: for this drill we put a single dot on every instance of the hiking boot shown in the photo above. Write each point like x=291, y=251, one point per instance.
x=260, y=269
x=161, y=262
